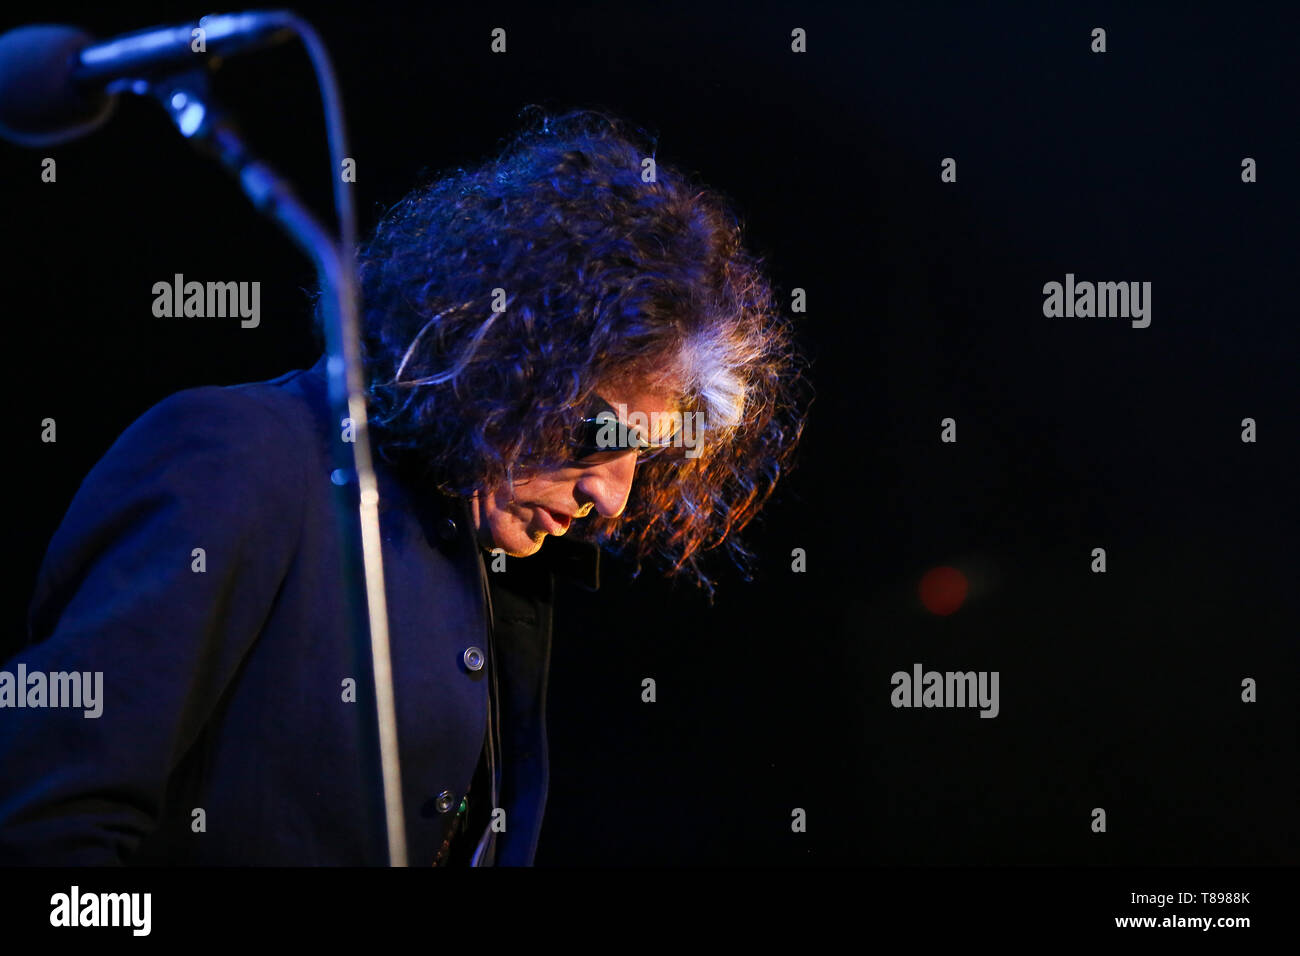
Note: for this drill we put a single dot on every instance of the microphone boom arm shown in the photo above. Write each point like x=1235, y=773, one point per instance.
x=186, y=100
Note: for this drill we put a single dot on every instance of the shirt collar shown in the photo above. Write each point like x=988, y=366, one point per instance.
x=574, y=560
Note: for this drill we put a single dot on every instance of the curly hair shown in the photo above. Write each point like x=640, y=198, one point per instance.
x=603, y=274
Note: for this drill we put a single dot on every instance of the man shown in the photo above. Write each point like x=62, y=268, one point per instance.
x=561, y=353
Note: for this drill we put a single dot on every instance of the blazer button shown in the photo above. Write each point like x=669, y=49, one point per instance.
x=473, y=658
x=447, y=529
x=445, y=800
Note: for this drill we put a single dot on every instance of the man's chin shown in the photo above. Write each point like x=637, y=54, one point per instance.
x=525, y=546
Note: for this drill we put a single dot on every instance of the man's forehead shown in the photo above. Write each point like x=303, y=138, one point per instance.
x=657, y=389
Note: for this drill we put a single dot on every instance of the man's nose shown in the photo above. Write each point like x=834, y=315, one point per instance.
x=608, y=485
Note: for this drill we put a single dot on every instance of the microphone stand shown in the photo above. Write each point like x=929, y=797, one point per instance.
x=186, y=99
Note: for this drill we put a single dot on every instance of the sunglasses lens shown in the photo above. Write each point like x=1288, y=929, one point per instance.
x=602, y=437
x=598, y=457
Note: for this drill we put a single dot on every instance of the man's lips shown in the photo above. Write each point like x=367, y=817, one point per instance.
x=551, y=522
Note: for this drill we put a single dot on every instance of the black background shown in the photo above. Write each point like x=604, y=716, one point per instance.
x=1119, y=691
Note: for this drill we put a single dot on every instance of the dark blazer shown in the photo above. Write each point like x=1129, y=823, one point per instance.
x=224, y=683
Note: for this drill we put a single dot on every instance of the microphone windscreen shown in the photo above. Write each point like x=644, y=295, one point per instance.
x=40, y=102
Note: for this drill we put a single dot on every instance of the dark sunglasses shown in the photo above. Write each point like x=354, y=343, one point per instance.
x=601, y=437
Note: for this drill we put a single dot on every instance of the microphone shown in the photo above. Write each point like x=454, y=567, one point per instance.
x=58, y=83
